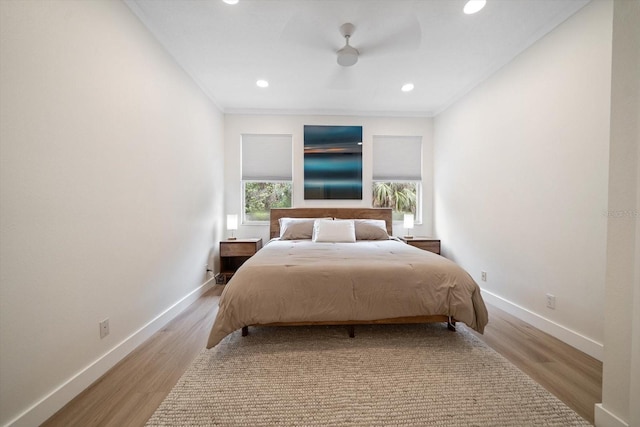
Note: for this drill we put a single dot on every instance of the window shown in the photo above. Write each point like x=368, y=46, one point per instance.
x=261, y=196
x=397, y=175
x=402, y=196
x=266, y=175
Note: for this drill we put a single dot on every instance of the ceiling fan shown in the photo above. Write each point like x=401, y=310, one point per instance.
x=403, y=39
x=348, y=55
x=381, y=35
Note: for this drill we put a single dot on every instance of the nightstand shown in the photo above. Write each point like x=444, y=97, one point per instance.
x=233, y=253
x=425, y=243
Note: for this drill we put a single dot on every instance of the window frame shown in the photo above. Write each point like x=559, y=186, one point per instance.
x=387, y=159
x=259, y=148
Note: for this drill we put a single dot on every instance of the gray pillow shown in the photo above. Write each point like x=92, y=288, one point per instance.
x=297, y=228
x=371, y=229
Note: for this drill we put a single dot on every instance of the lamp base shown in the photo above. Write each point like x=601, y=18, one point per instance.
x=408, y=237
x=231, y=238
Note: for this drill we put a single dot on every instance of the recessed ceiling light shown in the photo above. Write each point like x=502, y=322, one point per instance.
x=474, y=6
x=262, y=83
x=231, y=1
x=407, y=87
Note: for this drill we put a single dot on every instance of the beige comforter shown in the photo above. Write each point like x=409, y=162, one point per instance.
x=302, y=281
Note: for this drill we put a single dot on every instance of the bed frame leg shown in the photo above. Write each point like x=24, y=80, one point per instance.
x=245, y=331
x=451, y=324
x=352, y=331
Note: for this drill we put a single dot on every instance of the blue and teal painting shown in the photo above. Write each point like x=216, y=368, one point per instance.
x=332, y=162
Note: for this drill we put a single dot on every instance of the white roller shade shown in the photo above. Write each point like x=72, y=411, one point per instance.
x=397, y=158
x=267, y=157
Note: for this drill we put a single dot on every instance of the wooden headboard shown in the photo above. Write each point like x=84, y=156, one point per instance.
x=342, y=213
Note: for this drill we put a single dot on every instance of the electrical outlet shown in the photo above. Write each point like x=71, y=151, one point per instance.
x=551, y=301
x=484, y=276
x=104, y=328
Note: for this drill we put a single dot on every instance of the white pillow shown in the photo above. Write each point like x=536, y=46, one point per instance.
x=339, y=231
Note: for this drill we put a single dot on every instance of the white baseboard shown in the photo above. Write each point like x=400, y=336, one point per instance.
x=604, y=418
x=574, y=339
x=54, y=401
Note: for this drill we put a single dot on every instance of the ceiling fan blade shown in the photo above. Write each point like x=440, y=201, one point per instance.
x=401, y=38
x=309, y=31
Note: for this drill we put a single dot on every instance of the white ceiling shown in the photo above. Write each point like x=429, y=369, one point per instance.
x=292, y=44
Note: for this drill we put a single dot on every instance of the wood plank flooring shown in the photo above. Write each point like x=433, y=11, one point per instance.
x=130, y=392
x=572, y=376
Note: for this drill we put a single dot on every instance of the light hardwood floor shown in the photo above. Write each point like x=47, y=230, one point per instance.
x=130, y=392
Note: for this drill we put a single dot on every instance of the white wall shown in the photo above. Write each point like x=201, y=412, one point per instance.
x=236, y=125
x=621, y=369
x=521, y=180
x=111, y=195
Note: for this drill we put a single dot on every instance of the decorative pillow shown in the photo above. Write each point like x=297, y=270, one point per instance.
x=339, y=231
x=371, y=229
x=297, y=228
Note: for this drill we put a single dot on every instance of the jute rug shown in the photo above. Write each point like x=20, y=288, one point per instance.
x=388, y=375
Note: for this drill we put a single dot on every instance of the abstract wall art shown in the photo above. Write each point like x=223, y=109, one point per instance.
x=332, y=162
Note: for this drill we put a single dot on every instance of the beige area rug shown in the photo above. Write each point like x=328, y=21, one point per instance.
x=388, y=375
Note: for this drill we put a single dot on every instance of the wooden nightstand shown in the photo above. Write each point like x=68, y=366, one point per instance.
x=425, y=243
x=233, y=253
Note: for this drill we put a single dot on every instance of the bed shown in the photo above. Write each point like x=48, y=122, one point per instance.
x=298, y=281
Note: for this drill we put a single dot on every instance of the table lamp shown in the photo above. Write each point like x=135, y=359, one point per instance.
x=408, y=224
x=232, y=224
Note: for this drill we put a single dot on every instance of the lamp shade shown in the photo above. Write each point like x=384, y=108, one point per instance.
x=408, y=220
x=232, y=222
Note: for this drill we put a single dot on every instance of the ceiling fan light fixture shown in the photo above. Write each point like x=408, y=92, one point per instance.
x=347, y=56
x=262, y=83
x=474, y=6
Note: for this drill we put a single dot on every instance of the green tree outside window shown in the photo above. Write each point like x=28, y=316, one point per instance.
x=261, y=197
x=402, y=197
